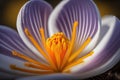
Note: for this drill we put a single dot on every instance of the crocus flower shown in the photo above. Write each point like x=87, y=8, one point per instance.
x=70, y=42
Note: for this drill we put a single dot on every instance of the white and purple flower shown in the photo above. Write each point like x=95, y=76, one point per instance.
x=70, y=42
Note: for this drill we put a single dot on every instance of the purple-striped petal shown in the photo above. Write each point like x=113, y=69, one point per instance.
x=5, y=63
x=107, y=52
x=10, y=40
x=33, y=16
x=83, y=11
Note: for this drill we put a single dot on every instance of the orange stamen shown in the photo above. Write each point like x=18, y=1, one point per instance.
x=37, y=66
x=80, y=60
x=31, y=38
x=43, y=37
x=22, y=56
x=56, y=46
x=14, y=67
x=44, y=44
x=68, y=53
x=74, y=55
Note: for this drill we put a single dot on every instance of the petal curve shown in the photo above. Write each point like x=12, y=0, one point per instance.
x=10, y=40
x=33, y=16
x=106, y=54
x=5, y=69
x=83, y=11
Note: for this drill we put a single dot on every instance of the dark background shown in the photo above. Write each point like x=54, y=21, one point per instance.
x=9, y=10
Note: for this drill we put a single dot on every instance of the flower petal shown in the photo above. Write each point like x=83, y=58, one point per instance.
x=49, y=77
x=107, y=52
x=33, y=16
x=83, y=11
x=20, y=71
x=5, y=62
x=10, y=41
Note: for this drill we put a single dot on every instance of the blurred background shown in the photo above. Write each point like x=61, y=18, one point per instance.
x=9, y=10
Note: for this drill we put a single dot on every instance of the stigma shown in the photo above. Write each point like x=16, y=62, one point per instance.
x=57, y=45
x=59, y=53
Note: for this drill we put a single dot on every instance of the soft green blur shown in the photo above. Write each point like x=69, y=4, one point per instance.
x=9, y=9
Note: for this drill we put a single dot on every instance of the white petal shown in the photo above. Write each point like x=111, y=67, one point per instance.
x=106, y=54
x=34, y=15
x=11, y=73
x=10, y=41
x=87, y=15
x=6, y=61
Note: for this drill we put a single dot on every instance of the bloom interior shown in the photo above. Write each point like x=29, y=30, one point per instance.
x=65, y=40
x=58, y=53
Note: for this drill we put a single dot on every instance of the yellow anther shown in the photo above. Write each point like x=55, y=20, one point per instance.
x=14, y=67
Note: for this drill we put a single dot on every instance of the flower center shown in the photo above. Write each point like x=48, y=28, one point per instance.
x=57, y=46
x=58, y=53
